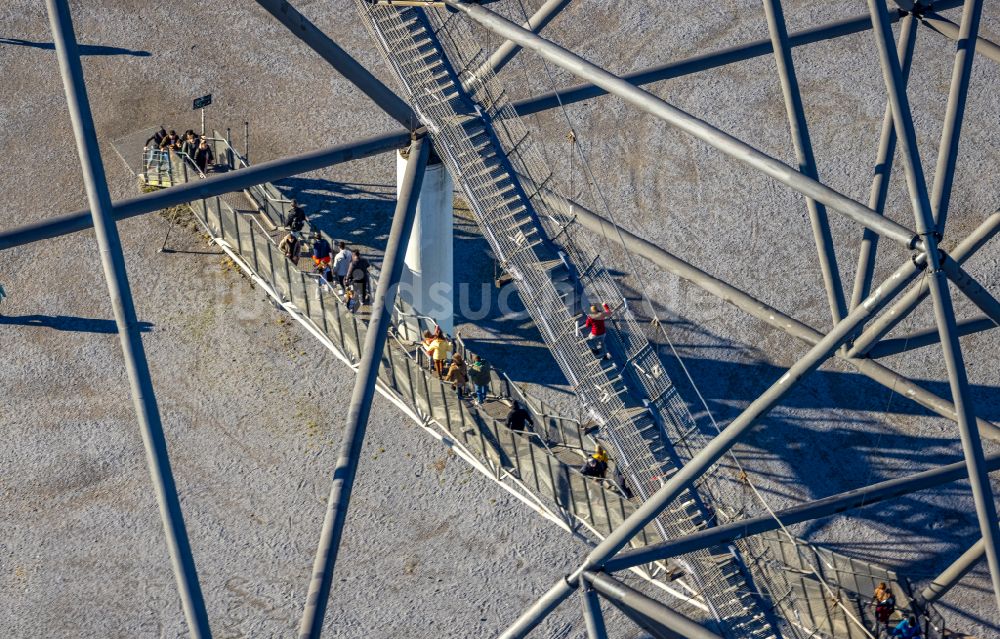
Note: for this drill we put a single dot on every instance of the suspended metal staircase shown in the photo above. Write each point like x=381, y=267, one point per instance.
x=631, y=398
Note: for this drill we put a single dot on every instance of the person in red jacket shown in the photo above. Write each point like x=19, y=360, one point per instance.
x=595, y=322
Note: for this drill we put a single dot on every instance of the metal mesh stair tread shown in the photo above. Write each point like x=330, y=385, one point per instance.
x=481, y=157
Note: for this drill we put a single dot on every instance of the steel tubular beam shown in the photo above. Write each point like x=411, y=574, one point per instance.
x=944, y=174
x=947, y=28
x=982, y=492
x=200, y=189
x=136, y=367
x=883, y=167
x=340, y=60
x=689, y=124
x=818, y=509
x=694, y=64
x=592, y=616
x=940, y=585
x=928, y=336
x=905, y=305
x=718, y=446
x=361, y=397
x=627, y=598
x=799, y=130
x=944, y=312
x=767, y=313
x=506, y=51
x=972, y=289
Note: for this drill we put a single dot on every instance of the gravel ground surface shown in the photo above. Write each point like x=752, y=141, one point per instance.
x=252, y=406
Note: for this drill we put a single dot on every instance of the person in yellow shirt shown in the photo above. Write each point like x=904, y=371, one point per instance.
x=440, y=346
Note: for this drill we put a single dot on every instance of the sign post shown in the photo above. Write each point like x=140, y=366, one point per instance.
x=201, y=103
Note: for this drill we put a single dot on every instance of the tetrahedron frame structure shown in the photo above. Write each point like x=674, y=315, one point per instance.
x=860, y=319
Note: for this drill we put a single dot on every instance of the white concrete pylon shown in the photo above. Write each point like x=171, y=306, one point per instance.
x=427, y=285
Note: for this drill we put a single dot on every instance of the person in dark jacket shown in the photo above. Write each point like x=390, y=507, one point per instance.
x=296, y=217
x=171, y=142
x=596, y=465
x=518, y=419
x=189, y=145
x=321, y=251
x=359, y=277
x=620, y=482
x=479, y=374
x=154, y=140
x=203, y=156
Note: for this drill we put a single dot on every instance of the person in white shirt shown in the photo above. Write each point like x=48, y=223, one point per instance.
x=342, y=264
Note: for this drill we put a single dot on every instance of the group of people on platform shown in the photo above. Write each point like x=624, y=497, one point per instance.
x=190, y=144
x=342, y=270
x=455, y=370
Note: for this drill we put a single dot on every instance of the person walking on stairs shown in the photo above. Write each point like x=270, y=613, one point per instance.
x=203, y=156
x=457, y=375
x=519, y=419
x=440, y=346
x=189, y=144
x=342, y=264
x=619, y=479
x=321, y=251
x=359, y=277
x=883, y=605
x=155, y=139
x=596, y=318
x=479, y=374
x=171, y=142
x=289, y=245
x=597, y=465
x=296, y=217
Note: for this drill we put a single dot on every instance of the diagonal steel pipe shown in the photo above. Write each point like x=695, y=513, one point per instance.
x=703, y=62
x=506, y=51
x=950, y=576
x=944, y=173
x=809, y=511
x=942, y=25
x=972, y=289
x=123, y=306
x=717, y=447
x=944, y=312
x=304, y=30
x=767, y=313
x=686, y=122
x=928, y=336
x=361, y=397
x=672, y=624
x=200, y=189
x=592, y=616
x=865, y=271
x=799, y=130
